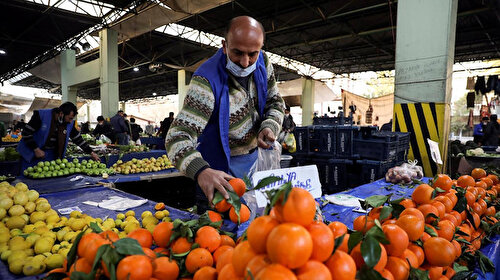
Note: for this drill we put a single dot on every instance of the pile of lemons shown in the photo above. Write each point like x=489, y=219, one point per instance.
x=142, y=165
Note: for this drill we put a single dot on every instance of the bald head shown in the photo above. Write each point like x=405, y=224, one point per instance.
x=244, y=40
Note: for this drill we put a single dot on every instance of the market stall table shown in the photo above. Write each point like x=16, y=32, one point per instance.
x=112, y=159
x=144, y=176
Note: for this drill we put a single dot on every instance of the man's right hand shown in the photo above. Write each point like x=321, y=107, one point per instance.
x=39, y=153
x=210, y=179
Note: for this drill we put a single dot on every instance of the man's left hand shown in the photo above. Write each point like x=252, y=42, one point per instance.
x=95, y=157
x=266, y=135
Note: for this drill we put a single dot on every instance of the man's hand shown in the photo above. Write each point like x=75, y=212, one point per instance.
x=210, y=179
x=39, y=153
x=266, y=135
x=95, y=157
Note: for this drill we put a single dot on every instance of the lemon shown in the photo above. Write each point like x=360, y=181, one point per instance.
x=159, y=215
x=54, y=261
x=130, y=213
x=60, y=234
x=21, y=198
x=16, y=266
x=6, y=203
x=17, y=255
x=64, y=252
x=55, y=248
x=43, y=207
x=52, y=219
x=33, y=267
x=32, y=195
x=21, y=187
x=41, y=230
x=4, y=235
x=37, y=216
x=16, y=222
x=78, y=224
x=40, y=200
x=131, y=227
x=146, y=213
x=120, y=216
x=16, y=210
x=32, y=238
x=43, y=245
x=149, y=220
x=4, y=247
x=16, y=232
x=3, y=213
x=75, y=214
x=25, y=217
x=5, y=255
x=70, y=236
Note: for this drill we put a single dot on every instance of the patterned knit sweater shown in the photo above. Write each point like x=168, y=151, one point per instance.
x=244, y=120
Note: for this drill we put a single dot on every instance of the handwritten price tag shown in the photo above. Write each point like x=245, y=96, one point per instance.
x=305, y=177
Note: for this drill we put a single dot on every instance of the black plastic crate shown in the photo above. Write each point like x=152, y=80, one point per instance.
x=365, y=132
x=372, y=170
x=377, y=147
x=324, y=137
x=299, y=160
x=401, y=157
x=331, y=121
x=302, y=140
x=403, y=138
x=12, y=168
x=334, y=174
x=344, y=140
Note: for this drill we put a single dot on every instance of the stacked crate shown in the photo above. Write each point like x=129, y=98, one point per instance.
x=347, y=155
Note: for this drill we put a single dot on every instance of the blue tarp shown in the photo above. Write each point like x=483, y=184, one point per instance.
x=122, y=178
x=57, y=184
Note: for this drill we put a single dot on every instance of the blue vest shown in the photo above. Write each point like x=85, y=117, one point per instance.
x=40, y=136
x=213, y=144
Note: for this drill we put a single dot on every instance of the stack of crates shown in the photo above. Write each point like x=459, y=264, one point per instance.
x=348, y=156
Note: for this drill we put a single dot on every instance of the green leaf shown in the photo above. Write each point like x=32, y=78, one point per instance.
x=385, y=212
x=377, y=200
x=378, y=234
x=338, y=241
x=459, y=268
x=77, y=275
x=460, y=240
x=111, y=258
x=266, y=181
x=370, y=251
x=485, y=263
x=471, y=219
x=458, y=231
x=354, y=239
x=430, y=231
x=366, y=273
x=484, y=225
x=97, y=260
x=417, y=274
x=218, y=197
x=275, y=194
x=128, y=246
x=432, y=215
x=95, y=228
x=461, y=204
x=235, y=201
x=72, y=252
x=464, y=275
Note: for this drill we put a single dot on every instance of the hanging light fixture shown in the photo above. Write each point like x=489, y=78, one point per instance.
x=136, y=69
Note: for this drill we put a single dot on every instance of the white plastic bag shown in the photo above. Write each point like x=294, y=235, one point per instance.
x=104, y=139
x=268, y=159
x=404, y=173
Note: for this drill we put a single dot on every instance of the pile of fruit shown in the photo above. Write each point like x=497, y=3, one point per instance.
x=142, y=165
x=9, y=154
x=12, y=138
x=58, y=167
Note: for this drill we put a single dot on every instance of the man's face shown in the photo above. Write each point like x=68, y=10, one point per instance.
x=101, y=122
x=69, y=118
x=243, y=46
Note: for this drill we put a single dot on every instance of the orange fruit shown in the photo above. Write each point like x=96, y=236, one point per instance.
x=197, y=259
x=435, y=272
x=375, y=214
x=418, y=252
x=453, y=197
x=290, y=245
x=299, y=208
x=439, y=251
x=481, y=184
x=259, y=230
x=414, y=212
x=228, y=273
x=255, y=265
x=227, y=240
x=337, y=229
x=136, y=267
x=109, y=235
x=224, y=259
x=180, y=245
x=323, y=241
x=408, y=203
x=143, y=236
x=275, y=272
x=386, y=274
x=449, y=272
x=488, y=182
x=222, y=206
x=494, y=179
x=85, y=240
x=440, y=207
x=81, y=265
x=242, y=254
x=490, y=211
x=451, y=218
x=342, y=266
x=344, y=247
x=205, y=273
x=398, y=239
x=214, y=216
x=411, y=258
x=448, y=204
x=465, y=181
x=427, y=210
x=363, y=223
x=478, y=173
x=399, y=268
x=92, y=247
x=244, y=214
x=358, y=258
x=208, y=237
x=443, y=182
x=412, y=225
x=238, y=185
x=165, y=269
x=162, y=233
x=221, y=250
x=446, y=229
x=313, y=270
x=422, y=194
x=159, y=206
x=148, y=252
x=458, y=248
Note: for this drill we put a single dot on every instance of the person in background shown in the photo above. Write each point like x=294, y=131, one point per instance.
x=478, y=132
x=150, y=129
x=288, y=123
x=104, y=128
x=232, y=107
x=46, y=135
x=492, y=132
x=120, y=128
x=85, y=128
x=386, y=126
x=127, y=123
x=3, y=130
x=12, y=127
x=135, y=129
x=20, y=125
x=165, y=125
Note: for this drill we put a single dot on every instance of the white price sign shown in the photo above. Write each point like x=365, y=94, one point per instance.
x=305, y=177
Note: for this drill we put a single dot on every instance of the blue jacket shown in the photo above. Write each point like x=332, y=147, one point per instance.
x=40, y=136
x=478, y=130
x=118, y=123
x=213, y=144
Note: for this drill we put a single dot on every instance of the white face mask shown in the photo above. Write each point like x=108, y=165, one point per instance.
x=237, y=70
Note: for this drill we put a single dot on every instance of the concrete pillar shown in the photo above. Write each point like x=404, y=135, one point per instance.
x=425, y=44
x=307, y=101
x=68, y=63
x=122, y=105
x=88, y=112
x=183, y=79
x=108, y=57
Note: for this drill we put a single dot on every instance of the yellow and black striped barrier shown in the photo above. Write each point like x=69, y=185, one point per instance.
x=424, y=121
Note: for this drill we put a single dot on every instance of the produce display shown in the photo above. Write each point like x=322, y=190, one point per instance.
x=404, y=174
x=9, y=154
x=58, y=167
x=478, y=152
x=142, y=165
x=108, y=150
x=12, y=138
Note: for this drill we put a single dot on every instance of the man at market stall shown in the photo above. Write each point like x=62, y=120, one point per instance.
x=231, y=107
x=135, y=130
x=120, y=128
x=46, y=135
x=104, y=128
x=478, y=132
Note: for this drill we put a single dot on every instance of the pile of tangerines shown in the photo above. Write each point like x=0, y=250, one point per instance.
x=427, y=236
